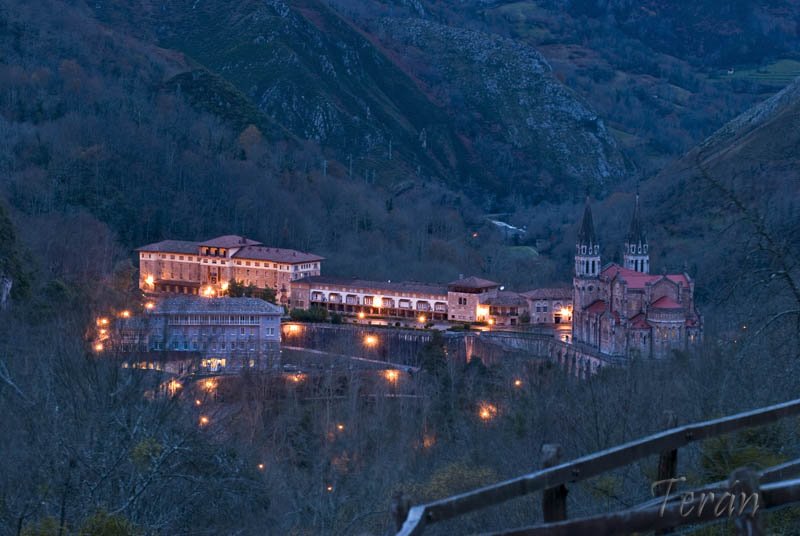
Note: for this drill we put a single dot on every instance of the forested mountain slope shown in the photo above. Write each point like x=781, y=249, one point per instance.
x=326, y=80
x=111, y=142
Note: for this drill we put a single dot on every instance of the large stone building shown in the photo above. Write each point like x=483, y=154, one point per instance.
x=176, y=266
x=193, y=333
x=624, y=310
x=467, y=300
x=464, y=300
x=549, y=305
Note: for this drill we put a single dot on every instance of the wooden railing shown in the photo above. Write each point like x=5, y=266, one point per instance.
x=554, y=476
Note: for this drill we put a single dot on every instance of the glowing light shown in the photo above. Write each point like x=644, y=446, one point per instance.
x=297, y=378
x=475, y=235
x=293, y=328
x=391, y=375
x=103, y=331
x=150, y=280
x=204, y=420
x=261, y=466
x=329, y=488
x=428, y=440
x=102, y=321
x=209, y=385
x=361, y=315
x=224, y=286
x=487, y=411
x=174, y=386
x=197, y=402
x=565, y=312
x=340, y=427
x=125, y=314
x=517, y=383
x=481, y=312
x=208, y=292
x=491, y=321
x=370, y=340
x=98, y=347
x=149, y=306
x=422, y=319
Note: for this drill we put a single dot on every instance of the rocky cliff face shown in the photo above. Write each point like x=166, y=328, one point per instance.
x=536, y=134
x=478, y=112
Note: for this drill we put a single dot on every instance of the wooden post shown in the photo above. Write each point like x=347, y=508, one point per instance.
x=668, y=460
x=667, y=463
x=554, y=500
x=400, y=507
x=744, y=486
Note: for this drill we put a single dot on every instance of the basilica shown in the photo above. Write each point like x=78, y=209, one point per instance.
x=623, y=310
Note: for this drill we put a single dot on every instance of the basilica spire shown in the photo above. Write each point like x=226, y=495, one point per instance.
x=636, y=231
x=636, y=255
x=587, y=247
x=586, y=234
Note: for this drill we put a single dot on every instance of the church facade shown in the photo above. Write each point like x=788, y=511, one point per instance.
x=623, y=310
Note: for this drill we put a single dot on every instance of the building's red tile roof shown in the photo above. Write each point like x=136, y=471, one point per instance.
x=473, y=282
x=172, y=246
x=262, y=253
x=665, y=302
x=506, y=299
x=636, y=279
x=561, y=293
x=639, y=322
x=597, y=306
x=229, y=241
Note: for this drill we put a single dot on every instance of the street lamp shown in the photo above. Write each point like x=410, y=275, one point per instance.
x=487, y=411
x=391, y=375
